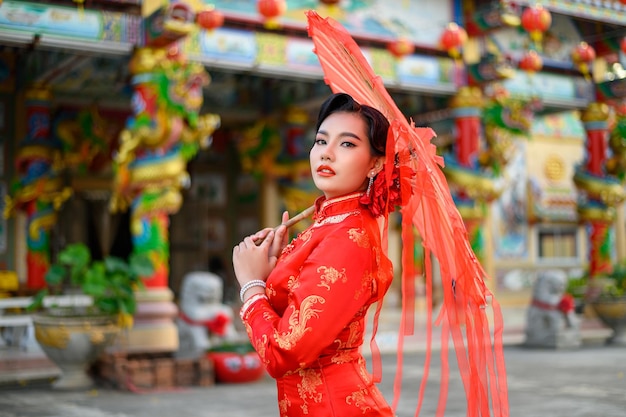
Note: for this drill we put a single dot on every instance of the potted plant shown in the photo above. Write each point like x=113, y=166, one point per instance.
x=608, y=301
x=606, y=295
x=73, y=336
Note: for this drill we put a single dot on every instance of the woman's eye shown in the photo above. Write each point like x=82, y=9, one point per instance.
x=348, y=144
x=319, y=141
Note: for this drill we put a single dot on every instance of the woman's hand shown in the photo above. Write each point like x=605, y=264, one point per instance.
x=251, y=261
x=281, y=237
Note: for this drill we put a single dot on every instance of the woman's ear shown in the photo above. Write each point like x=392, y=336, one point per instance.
x=379, y=164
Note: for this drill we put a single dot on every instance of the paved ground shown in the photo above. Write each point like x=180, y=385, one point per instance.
x=586, y=382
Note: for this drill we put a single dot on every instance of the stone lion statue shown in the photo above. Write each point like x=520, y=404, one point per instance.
x=551, y=320
x=204, y=321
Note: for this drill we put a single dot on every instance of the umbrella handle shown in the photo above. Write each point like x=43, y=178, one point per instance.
x=295, y=219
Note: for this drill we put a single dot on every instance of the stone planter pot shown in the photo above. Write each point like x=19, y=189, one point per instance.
x=612, y=312
x=74, y=343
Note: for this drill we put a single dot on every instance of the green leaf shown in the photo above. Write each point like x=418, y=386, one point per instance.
x=76, y=254
x=55, y=275
x=37, y=302
x=107, y=305
x=115, y=264
x=141, y=265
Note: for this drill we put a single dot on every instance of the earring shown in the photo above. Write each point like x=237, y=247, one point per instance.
x=369, y=184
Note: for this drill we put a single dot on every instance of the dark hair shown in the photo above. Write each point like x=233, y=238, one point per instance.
x=377, y=123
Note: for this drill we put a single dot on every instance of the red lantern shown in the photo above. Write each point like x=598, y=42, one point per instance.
x=623, y=44
x=400, y=48
x=330, y=2
x=536, y=20
x=271, y=10
x=452, y=39
x=210, y=19
x=582, y=55
x=531, y=62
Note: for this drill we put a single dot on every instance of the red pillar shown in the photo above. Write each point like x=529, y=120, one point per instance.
x=595, y=119
x=467, y=108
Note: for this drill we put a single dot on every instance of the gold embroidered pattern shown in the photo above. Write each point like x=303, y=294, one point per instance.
x=283, y=405
x=298, y=321
x=330, y=275
x=366, y=284
x=358, y=398
x=307, y=389
x=305, y=236
x=359, y=237
x=343, y=355
x=259, y=346
x=270, y=291
x=292, y=283
x=363, y=371
x=335, y=219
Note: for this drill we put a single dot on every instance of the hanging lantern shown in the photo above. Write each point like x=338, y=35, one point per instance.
x=452, y=39
x=536, y=20
x=531, y=62
x=210, y=19
x=271, y=10
x=400, y=48
x=623, y=44
x=331, y=8
x=582, y=55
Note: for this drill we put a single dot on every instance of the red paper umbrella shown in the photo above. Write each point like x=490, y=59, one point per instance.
x=210, y=19
x=583, y=55
x=428, y=206
x=536, y=20
x=401, y=47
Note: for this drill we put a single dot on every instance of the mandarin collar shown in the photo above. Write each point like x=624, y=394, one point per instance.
x=329, y=207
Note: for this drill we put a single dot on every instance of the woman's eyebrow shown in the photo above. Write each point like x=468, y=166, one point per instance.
x=342, y=134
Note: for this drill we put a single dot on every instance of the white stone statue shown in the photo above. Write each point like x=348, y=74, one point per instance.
x=551, y=320
x=204, y=321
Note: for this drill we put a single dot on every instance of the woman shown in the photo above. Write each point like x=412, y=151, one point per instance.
x=305, y=303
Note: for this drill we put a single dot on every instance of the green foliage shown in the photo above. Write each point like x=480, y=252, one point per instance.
x=616, y=286
x=241, y=348
x=576, y=287
x=111, y=282
x=613, y=284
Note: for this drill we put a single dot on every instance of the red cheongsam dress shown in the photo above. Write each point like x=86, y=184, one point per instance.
x=309, y=331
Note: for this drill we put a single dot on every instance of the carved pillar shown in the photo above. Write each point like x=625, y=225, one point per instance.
x=598, y=193
x=38, y=191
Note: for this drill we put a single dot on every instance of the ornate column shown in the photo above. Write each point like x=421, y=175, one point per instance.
x=38, y=191
x=599, y=193
x=164, y=132
x=472, y=188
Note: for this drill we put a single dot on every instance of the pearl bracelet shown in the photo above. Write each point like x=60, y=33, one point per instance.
x=248, y=285
x=243, y=313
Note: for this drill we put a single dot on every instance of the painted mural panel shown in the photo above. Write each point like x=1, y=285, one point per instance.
x=67, y=22
x=548, y=86
x=510, y=219
x=420, y=21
